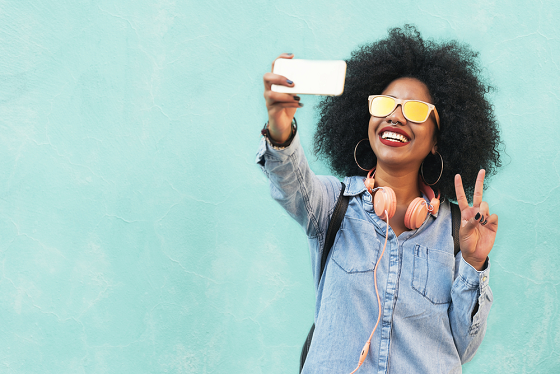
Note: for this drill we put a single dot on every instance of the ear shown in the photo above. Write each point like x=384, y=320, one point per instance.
x=434, y=149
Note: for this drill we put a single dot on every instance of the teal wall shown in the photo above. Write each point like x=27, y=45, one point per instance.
x=138, y=236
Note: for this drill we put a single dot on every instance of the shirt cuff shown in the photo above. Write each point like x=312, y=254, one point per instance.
x=267, y=151
x=278, y=146
x=473, y=278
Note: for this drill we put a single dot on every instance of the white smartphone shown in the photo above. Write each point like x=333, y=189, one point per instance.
x=311, y=77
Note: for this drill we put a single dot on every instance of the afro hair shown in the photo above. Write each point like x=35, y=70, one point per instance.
x=469, y=139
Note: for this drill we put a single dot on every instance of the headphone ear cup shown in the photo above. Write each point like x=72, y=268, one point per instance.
x=385, y=200
x=416, y=213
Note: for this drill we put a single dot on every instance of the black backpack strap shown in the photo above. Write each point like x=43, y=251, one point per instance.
x=455, y=225
x=305, y=348
x=334, y=226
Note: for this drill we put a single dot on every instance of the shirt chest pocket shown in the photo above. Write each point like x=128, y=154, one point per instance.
x=433, y=274
x=356, y=247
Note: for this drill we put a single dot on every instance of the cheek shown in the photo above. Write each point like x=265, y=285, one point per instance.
x=373, y=124
x=426, y=133
x=433, y=137
x=371, y=130
x=430, y=141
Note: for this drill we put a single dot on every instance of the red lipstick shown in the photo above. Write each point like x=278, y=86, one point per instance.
x=392, y=143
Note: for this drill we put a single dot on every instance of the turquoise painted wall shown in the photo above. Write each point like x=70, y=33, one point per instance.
x=136, y=233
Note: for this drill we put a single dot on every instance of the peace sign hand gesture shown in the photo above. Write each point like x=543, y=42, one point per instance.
x=478, y=227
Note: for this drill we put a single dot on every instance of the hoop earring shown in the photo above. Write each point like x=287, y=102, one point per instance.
x=355, y=159
x=440, y=173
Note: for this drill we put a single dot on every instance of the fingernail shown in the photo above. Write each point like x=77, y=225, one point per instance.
x=289, y=81
x=485, y=222
x=297, y=98
x=300, y=104
x=289, y=54
x=477, y=216
x=481, y=219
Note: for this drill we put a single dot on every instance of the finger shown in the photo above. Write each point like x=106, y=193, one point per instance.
x=492, y=222
x=470, y=224
x=288, y=105
x=270, y=78
x=478, y=188
x=273, y=98
x=283, y=55
x=477, y=220
x=484, y=212
x=460, y=193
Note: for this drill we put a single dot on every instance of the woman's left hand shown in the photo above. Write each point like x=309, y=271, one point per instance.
x=478, y=227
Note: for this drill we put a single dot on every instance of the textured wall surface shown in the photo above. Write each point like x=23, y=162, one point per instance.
x=138, y=236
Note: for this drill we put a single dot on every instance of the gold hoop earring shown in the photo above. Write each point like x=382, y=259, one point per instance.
x=355, y=159
x=440, y=173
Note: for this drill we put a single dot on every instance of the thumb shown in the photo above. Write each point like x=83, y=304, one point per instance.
x=469, y=225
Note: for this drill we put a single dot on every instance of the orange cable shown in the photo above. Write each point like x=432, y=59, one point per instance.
x=365, y=350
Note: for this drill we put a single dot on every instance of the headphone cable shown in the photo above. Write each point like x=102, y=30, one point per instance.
x=365, y=350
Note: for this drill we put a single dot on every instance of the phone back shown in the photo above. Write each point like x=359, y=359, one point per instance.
x=311, y=77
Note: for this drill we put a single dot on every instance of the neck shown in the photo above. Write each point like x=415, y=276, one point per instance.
x=404, y=183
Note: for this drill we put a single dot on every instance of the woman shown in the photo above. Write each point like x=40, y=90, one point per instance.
x=428, y=123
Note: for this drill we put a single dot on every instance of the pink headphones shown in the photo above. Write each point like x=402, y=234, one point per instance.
x=386, y=201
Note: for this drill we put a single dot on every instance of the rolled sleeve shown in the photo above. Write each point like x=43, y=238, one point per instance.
x=470, y=290
x=306, y=197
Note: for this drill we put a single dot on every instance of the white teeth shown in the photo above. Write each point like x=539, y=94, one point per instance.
x=394, y=136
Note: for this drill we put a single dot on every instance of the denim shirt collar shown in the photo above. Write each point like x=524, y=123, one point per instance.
x=354, y=186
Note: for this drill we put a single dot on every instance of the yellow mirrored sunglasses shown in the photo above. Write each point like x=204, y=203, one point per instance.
x=413, y=110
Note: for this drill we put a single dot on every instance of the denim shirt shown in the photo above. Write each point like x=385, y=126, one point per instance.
x=427, y=294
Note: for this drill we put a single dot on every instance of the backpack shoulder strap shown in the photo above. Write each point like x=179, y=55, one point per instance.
x=334, y=226
x=455, y=225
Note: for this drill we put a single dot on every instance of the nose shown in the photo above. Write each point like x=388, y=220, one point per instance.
x=397, y=115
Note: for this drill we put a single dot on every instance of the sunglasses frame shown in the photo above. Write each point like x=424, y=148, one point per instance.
x=400, y=102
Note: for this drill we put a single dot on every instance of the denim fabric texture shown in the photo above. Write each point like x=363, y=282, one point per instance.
x=427, y=294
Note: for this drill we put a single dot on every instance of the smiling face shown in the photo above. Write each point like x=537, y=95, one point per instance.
x=397, y=142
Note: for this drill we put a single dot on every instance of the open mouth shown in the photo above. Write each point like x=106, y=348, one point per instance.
x=394, y=137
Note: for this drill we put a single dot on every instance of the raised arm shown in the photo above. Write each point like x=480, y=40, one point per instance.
x=471, y=295
x=306, y=197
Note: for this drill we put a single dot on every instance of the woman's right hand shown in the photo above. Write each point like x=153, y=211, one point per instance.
x=281, y=106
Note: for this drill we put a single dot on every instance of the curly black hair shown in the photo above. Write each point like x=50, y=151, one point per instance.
x=469, y=139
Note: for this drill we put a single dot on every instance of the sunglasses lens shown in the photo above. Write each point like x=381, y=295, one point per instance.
x=416, y=111
x=382, y=106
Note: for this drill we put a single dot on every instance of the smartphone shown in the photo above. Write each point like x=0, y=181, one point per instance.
x=311, y=77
